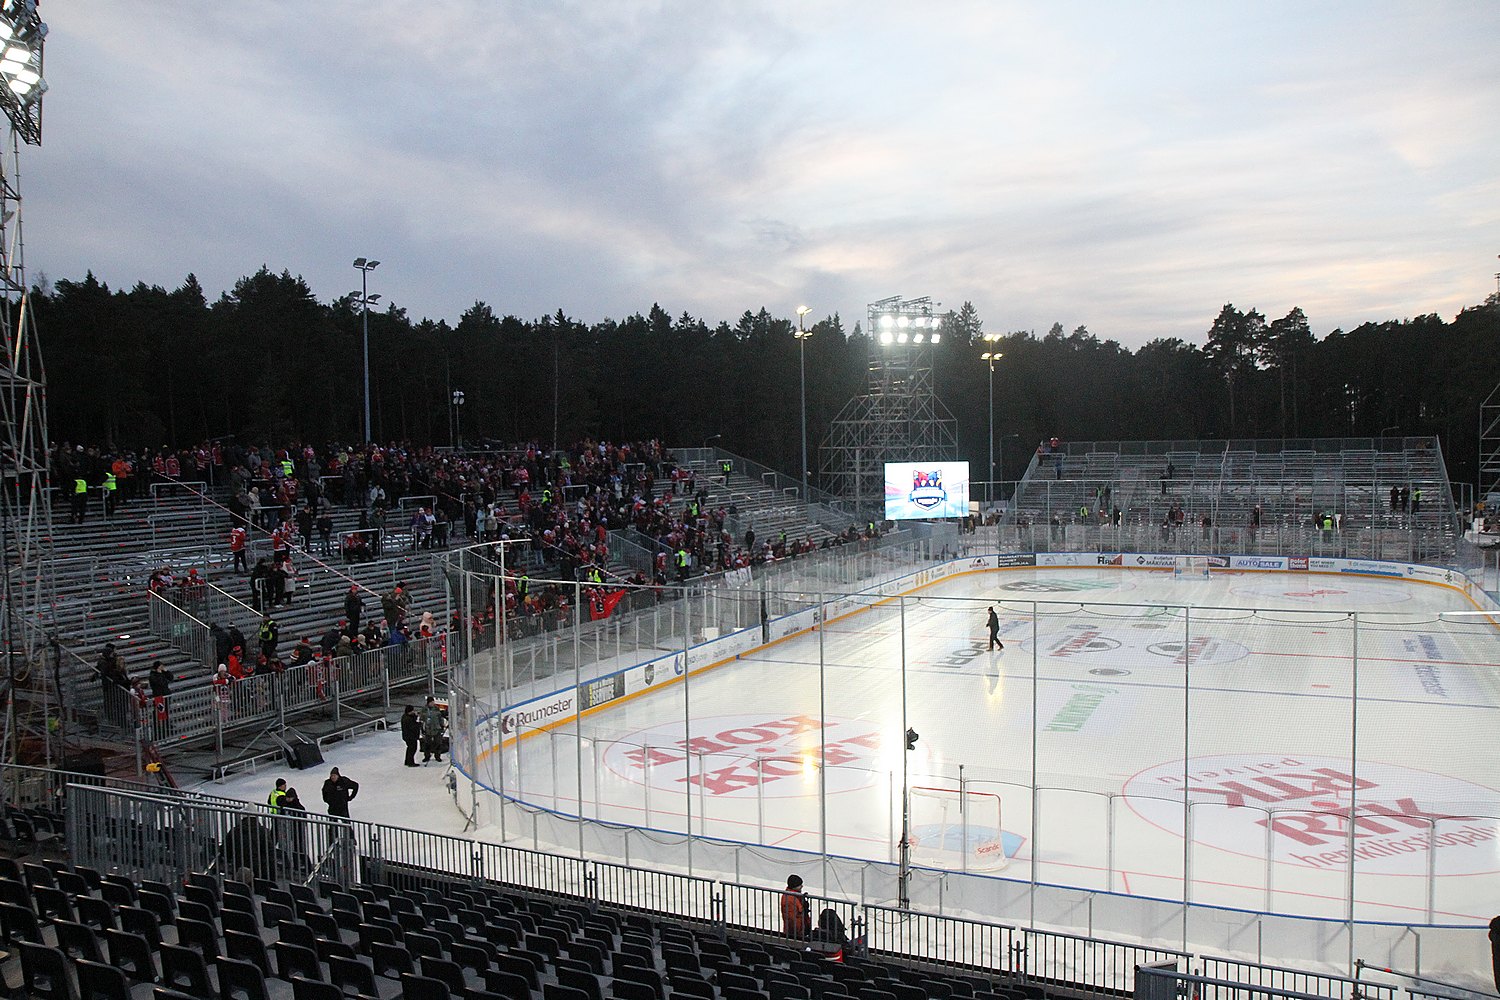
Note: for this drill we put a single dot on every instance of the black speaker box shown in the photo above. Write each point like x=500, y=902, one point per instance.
x=304, y=755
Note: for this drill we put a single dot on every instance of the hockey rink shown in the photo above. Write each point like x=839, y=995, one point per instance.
x=1140, y=733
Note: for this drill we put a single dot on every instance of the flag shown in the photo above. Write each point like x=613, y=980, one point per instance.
x=602, y=605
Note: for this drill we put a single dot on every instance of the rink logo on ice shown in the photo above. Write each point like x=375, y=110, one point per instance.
x=1399, y=814
x=1200, y=650
x=740, y=756
x=1082, y=640
x=1055, y=586
x=1079, y=708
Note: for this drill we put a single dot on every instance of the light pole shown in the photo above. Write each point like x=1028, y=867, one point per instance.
x=458, y=427
x=990, y=357
x=365, y=267
x=802, y=335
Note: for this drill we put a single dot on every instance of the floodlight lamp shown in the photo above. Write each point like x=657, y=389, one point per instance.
x=20, y=87
x=5, y=31
x=886, y=338
x=373, y=264
x=27, y=77
x=901, y=337
x=19, y=53
x=360, y=262
x=372, y=299
x=902, y=322
x=10, y=67
x=916, y=338
x=937, y=338
x=803, y=310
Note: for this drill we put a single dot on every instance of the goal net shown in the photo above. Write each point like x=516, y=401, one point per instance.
x=956, y=830
x=1190, y=566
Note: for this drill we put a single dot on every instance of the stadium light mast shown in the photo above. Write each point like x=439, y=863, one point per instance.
x=365, y=267
x=991, y=357
x=802, y=334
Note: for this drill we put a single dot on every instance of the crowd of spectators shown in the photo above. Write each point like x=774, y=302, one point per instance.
x=557, y=506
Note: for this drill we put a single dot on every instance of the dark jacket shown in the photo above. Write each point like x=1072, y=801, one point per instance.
x=338, y=793
x=354, y=605
x=411, y=727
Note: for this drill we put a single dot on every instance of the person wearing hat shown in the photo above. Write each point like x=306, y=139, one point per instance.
x=796, y=919
x=338, y=792
x=432, y=731
x=411, y=732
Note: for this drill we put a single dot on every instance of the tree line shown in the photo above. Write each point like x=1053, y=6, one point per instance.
x=267, y=361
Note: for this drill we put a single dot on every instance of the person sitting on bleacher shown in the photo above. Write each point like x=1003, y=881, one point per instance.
x=829, y=937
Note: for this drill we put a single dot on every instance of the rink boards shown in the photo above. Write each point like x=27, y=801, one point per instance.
x=1265, y=738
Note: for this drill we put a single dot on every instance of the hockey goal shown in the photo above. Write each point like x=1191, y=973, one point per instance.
x=956, y=830
x=1190, y=566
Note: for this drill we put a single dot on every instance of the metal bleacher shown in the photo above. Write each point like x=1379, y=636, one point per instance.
x=1290, y=481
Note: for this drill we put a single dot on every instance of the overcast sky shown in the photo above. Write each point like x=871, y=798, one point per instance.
x=1129, y=166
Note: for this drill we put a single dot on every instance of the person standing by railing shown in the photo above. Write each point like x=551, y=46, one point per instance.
x=338, y=792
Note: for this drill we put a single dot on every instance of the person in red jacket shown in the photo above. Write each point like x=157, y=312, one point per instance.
x=237, y=549
x=796, y=919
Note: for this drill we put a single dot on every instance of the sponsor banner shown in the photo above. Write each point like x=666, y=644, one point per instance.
x=1368, y=567
x=540, y=713
x=605, y=689
x=1219, y=562
x=1150, y=560
x=1399, y=815
x=1430, y=573
x=1110, y=560
x=1258, y=562
x=1323, y=565
x=1072, y=559
x=743, y=756
x=1015, y=559
x=1298, y=563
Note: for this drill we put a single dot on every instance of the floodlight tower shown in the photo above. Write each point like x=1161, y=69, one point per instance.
x=27, y=622
x=899, y=418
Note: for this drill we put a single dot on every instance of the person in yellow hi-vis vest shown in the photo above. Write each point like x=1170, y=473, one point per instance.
x=111, y=486
x=80, y=499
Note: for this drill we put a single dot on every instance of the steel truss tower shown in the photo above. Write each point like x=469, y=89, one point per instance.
x=1489, y=445
x=26, y=571
x=899, y=418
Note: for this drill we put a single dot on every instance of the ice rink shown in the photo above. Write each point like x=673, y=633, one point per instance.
x=1109, y=681
x=1277, y=700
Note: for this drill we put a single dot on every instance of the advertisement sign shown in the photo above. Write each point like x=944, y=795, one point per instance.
x=917, y=490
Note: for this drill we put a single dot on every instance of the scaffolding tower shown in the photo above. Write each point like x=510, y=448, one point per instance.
x=899, y=417
x=1489, y=445
x=27, y=622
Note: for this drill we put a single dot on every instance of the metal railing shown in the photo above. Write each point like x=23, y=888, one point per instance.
x=169, y=838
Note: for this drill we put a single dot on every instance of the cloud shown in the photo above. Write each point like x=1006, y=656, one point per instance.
x=1130, y=168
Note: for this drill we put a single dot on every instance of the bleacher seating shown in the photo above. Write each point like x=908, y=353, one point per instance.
x=1290, y=481
x=420, y=938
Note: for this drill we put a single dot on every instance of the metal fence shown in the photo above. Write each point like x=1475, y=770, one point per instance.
x=328, y=686
x=168, y=838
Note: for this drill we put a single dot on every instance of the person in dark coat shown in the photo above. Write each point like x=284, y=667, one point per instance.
x=994, y=627
x=354, y=606
x=411, y=732
x=338, y=792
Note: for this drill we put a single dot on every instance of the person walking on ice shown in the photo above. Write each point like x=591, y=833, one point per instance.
x=994, y=624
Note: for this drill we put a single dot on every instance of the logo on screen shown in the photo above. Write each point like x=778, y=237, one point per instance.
x=927, y=489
